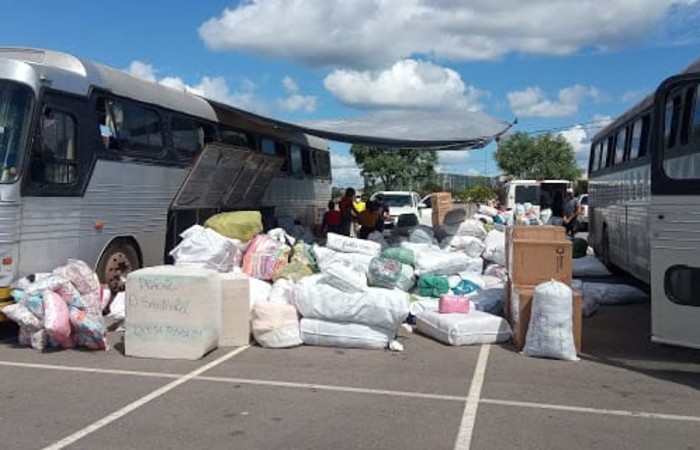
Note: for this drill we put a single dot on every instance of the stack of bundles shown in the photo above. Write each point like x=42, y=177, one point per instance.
x=61, y=309
x=365, y=318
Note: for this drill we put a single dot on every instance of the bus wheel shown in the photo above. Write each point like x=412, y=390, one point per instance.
x=118, y=260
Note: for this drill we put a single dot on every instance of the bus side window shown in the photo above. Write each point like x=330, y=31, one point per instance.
x=206, y=133
x=186, y=139
x=267, y=146
x=295, y=160
x=306, y=161
x=636, y=141
x=691, y=123
x=593, y=158
x=601, y=150
x=671, y=119
x=323, y=164
x=237, y=138
x=644, y=140
x=281, y=150
x=620, y=146
x=56, y=160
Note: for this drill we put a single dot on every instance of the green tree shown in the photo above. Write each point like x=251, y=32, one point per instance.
x=541, y=157
x=394, y=168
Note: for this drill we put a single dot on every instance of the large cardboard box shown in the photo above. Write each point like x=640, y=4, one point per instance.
x=235, y=310
x=441, y=203
x=533, y=262
x=172, y=312
x=520, y=299
x=546, y=233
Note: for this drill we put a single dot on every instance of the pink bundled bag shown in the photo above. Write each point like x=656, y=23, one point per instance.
x=56, y=320
x=264, y=257
x=453, y=304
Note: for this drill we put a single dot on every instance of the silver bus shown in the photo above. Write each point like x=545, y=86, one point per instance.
x=644, y=202
x=98, y=165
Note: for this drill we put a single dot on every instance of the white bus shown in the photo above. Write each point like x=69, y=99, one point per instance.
x=644, y=202
x=98, y=165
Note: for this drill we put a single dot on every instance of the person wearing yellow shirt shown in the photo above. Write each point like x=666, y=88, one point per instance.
x=368, y=219
x=359, y=204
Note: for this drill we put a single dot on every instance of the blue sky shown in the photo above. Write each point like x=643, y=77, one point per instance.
x=561, y=65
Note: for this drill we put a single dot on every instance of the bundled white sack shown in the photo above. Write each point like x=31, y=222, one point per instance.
x=345, y=276
x=378, y=237
x=496, y=271
x=344, y=334
x=589, y=305
x=495, y=247
x=487, y=210
x=282, y=291
x=474, y=328
x=483, y=218
x=469, y=227
x=426, y=304
x=438, y=262
x=259, y=291
x=470, y=245
x=422, y=234
x=589, y=266
x=418, y=247
x=326, y=257
x=613, y=294
x=489, y=300
x=384, y=308
x=275, y=325
x=491, y=282
x=204, y=247
x=551, y=330
x=351, y=245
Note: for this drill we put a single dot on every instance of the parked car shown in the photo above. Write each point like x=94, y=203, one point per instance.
x=406, y=202
x=583, y=218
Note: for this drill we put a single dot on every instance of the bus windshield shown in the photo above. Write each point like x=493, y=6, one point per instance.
x=15, y=107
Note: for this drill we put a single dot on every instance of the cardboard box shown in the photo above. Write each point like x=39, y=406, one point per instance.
x=235, y=310
x=441, y=203
x=519, y=317
x=547, y=233
x=533, y=262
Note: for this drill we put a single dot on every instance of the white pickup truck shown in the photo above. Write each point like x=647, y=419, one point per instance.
x=406, y=202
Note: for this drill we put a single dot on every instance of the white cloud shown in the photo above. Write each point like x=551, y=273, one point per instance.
x=408, y=84
x=533, y=102
x=345, y=171
x=634, y=95
x=449, y=159
x=214, y=88
x=374, y=33
x=580, y=136
x=294, y=100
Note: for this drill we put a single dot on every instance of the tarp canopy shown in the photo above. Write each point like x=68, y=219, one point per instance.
x=430, y=130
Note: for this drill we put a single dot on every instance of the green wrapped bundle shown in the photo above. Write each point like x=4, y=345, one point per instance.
x=433, y=286
x=400, y=254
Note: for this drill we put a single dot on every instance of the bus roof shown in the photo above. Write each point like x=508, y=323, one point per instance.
x=428, y=130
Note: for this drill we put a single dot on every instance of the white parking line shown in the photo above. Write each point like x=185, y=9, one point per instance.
x=330, y=387
x=89, y=370
x=80, y=434
x=466, y=428
x=604, y=412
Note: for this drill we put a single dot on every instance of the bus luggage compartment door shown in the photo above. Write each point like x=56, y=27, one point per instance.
x=675, y=270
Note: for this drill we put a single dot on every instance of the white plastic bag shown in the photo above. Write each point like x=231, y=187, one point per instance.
x=378, y=237
x=275, y=325
x=495, y=247
x=282, y=291
x=487, y=210
x=326, y=257
x=589, y=266
x=472, y=246
x=259, y=291
x=551, y=330
x=204, y=247
x=422, y=234
x=351, y=245
x=463, y=329
x=439, y=262
x=379, y=307
x=345, y=276
x=469, y=227
x=344, y=334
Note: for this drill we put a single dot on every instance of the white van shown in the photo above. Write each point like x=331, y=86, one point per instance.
x=539, y=193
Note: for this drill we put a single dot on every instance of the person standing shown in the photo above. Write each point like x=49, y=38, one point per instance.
x=368, y=219
x=383, y=211
x=347, y=211
x=571, y=213
x=331, y=219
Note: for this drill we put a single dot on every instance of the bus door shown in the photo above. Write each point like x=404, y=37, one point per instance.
x=223, y=178
x=675, y=213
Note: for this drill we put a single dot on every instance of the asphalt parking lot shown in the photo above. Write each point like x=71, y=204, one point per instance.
x=624, y=393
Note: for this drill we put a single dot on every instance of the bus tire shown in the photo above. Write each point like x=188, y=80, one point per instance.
x=116, y=262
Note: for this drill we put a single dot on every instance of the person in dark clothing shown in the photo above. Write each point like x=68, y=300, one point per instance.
x=331, y=219
x=383, y=211
x=347, y=211
x=570, y=213
x=368, y=220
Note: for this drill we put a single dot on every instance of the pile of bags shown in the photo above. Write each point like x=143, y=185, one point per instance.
x=62, y=309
